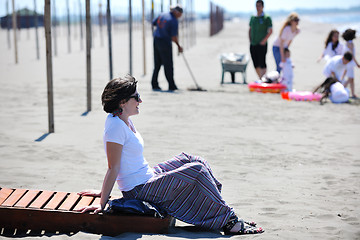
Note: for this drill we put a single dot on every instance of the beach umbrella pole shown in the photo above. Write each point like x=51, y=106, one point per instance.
x=8, y=24
x=54, y=23
x=108, y=20
x=68, y=26
x=36, y=32
x=143, y=35
x=49, y=74
x=130, y=38
x=88, y=55
x=14, y=30
x=81, y=27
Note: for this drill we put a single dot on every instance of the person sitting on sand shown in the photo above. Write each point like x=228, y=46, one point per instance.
x=184, y=185
x=336, y=66
x=287, y=74
x=348, y=36
x=332, y=46
x=333, y=89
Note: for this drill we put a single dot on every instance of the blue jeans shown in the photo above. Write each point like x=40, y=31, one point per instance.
x=277, y=56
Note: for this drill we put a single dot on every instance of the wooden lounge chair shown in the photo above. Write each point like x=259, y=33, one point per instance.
x=42, y=212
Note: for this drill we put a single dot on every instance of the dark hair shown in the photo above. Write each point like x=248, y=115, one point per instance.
x=348, y=56
x=286, y=50
x=177, y=8
x=260, y=1
x=349, y=34
x=324, y=88
x=116, y=91
x=329, y=39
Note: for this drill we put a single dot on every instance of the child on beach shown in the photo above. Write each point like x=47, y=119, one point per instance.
x=336, y=66
x=287, y=74
x=333, y=89
x=348, y=36
x=332, y=46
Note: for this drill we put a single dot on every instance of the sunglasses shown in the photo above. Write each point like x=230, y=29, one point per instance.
x=136, y=97
x=296, y=20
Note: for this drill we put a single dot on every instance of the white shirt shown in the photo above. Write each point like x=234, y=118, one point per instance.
x=134, y=169
x=329, y=52
x=287, y=35
x=352, y=63
x=338, y=93
x=336, y=65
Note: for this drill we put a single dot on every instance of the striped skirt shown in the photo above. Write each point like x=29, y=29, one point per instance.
x=186, y=188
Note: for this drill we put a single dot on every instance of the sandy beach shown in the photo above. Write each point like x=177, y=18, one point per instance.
x=293, y=167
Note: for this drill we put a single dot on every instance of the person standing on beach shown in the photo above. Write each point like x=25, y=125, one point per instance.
x=348, y=36
x=259, y=32
x=165, y=33
x=287, y=33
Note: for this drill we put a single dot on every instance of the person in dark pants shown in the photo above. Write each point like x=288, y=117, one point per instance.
x=165, y=33
x=259, y=32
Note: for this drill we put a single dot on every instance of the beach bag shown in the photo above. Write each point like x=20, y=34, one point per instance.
x=135, y=206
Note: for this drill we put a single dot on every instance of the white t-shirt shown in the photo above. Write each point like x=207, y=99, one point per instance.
x=336, y=65
x=338, y=93
x=134, y=169
x=287, y=35
x=329, y=52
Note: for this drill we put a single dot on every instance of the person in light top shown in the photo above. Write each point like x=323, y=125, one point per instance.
x=337, y=65
x=348, y=36
x=184, y=186
x=287, y=33
x=332, y=46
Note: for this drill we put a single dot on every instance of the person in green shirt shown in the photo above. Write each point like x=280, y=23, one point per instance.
x=259, y=32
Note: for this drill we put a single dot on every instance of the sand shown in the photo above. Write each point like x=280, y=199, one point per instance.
x=293, y=167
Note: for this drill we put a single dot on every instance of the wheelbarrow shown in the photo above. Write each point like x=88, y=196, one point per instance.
x=234, y=62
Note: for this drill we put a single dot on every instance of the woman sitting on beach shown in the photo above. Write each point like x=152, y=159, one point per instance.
x=348, y=36
x=287, y=33
x=184, y=186
x=333, y=89
x=332, y=46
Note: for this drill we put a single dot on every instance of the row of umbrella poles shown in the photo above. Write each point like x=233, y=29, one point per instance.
x=48, y=23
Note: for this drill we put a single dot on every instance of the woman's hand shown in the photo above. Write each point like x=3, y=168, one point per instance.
x=95, y=208
x=93, y=193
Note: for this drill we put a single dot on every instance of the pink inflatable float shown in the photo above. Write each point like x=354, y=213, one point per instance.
x=301, y=96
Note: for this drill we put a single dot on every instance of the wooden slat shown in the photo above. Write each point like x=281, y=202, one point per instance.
x=4, y=194
x=84, y=202
x=67, y=221
x=27, y=198
x=69, y=201
x=96, y=201
x=56, y=200
x=41, y=199
x=14, y=197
